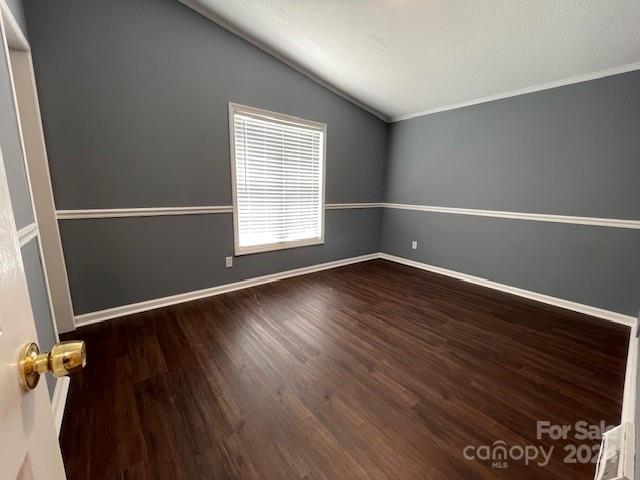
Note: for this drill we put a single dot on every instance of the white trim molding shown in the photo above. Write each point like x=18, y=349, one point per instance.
x=102, y=315
x=15, y=36
x=630, y=378
x=537, y=217
x=539, y=297
x=164, y=211
x=27, y=111
x=139, y=212
x=523, y=91
x=206, y=210
x=341, y=206
x=59, y=400
x=629, y=399
x=26, y=234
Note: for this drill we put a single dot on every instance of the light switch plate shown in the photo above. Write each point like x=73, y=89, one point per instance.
x=228, y=262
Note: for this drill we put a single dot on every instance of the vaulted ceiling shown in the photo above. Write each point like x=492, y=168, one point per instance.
x=402, y=58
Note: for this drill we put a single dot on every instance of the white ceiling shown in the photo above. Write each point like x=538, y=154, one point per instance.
x=404, y=57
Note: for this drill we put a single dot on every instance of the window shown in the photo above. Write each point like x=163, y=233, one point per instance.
x=278, y=166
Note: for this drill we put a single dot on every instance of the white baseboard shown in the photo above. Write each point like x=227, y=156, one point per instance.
x=59, y=401
x=557, y=302
x=630, y=378
x=102, y=315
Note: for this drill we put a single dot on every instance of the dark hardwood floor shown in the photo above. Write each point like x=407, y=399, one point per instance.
x=374, y=370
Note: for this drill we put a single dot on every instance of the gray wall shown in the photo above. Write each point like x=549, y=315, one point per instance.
x=586, y=264
x=119, y=261
x=136, y=116
x=39, y=302
x=573, y=150
x=134, y=96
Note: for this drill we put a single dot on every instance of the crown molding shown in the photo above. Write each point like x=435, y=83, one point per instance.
x=196, y=6
x=523, y=91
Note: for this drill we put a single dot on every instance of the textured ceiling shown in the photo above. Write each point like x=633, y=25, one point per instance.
x=402, y=57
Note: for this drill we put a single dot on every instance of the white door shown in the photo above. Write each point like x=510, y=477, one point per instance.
x=28, y=442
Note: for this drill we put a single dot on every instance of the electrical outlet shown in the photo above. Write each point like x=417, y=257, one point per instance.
x=228, y=262
x=414, y=244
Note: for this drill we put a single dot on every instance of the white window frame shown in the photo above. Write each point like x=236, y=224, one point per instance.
x=238, y=108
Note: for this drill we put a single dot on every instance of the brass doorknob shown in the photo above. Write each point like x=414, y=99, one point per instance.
x=63, y=359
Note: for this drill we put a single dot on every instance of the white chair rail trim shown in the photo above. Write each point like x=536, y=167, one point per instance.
x=26, y=234
x=537, y=217
x=163, y=211
x=199, y=210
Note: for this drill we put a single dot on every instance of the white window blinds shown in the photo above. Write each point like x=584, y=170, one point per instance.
x=278, y=165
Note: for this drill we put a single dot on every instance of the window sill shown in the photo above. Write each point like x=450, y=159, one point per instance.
x=277, y=246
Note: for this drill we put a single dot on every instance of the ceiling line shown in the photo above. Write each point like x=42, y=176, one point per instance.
x=194, y=5
x=523, y=91
x=207, y=13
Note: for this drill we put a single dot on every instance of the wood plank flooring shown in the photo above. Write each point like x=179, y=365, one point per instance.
x=370, y=371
